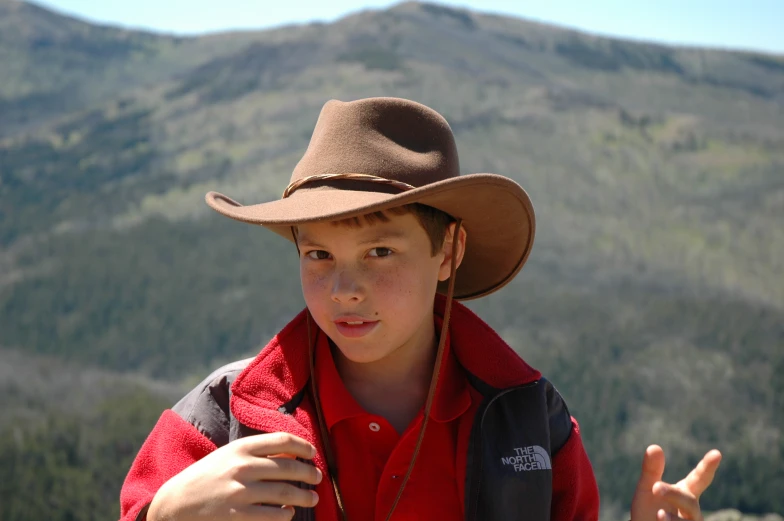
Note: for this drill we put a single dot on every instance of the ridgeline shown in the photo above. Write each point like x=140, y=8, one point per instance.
x=653, y=299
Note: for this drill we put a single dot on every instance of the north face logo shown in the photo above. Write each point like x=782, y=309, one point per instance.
x=528, y=458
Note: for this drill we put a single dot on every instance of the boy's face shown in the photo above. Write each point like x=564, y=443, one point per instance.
x=371, y=288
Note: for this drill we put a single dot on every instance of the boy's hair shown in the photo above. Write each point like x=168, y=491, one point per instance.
x=434, y=221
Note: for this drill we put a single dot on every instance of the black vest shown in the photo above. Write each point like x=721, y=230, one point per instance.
x=515, y=435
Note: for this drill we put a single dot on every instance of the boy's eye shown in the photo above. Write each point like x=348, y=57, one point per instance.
x=318, y=255
x=380, y=252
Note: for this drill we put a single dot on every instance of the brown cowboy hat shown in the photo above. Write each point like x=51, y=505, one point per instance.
x=378, y=153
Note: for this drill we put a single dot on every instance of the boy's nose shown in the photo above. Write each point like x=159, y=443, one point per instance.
x=346, y=288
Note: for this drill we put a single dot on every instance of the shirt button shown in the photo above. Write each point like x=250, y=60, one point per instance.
x=374, y=427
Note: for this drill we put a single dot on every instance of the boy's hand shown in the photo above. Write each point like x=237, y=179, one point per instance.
x=241, y=480
x=656, y=500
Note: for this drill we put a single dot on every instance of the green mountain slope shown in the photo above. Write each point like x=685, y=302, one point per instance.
x=54, y=64
x=654, y=297
x=64, y=458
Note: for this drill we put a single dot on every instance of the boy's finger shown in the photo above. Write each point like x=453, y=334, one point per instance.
x=662, y=515
x=277, y=443
x=678, y=500
x=702, y=476
x=281, y=469
x=273, y=513
x=652, y=467
x=278, y=493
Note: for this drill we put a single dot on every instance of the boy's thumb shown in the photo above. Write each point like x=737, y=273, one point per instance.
x=652, y=467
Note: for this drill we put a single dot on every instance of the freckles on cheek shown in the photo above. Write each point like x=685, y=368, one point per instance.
x=313, y=285
x=399, y=285
x=390, y=282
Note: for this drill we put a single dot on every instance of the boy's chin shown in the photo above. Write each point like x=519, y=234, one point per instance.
x=358, y=354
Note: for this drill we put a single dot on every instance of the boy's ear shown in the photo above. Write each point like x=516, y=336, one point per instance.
x=446, y=250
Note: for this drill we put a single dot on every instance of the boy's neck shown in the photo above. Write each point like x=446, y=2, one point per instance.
x=396, y=386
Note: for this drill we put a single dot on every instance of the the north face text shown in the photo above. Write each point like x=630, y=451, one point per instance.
x=528, y=458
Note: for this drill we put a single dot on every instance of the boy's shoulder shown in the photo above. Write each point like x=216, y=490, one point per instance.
x=484, y=353
x=206, y=406
x=222, y=377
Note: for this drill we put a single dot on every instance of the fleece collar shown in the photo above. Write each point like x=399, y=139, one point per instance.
x=281, y=370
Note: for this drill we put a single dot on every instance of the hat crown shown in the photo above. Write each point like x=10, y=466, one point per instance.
x=385, y=137
x=370, y=155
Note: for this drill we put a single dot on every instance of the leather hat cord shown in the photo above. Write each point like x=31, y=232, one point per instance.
x=331, y=463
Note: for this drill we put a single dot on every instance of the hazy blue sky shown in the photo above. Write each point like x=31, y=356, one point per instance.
x=744, y=24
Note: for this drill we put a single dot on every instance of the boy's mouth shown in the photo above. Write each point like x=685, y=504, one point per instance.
x=355, y=327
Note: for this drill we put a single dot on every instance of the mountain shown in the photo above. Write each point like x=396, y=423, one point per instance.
x=654, y=296
x=54, y=64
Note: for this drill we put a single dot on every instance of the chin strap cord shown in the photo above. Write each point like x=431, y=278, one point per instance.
x=331, y=464
x=332, y=468
x=437, y=368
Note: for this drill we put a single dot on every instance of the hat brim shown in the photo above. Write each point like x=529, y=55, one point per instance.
x=497, y=214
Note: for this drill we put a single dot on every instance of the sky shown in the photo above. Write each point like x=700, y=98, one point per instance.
x=728, y=24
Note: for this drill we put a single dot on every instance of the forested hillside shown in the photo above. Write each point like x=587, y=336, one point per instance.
x=653, y=299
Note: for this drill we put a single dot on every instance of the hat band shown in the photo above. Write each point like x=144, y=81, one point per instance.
x=404, y=187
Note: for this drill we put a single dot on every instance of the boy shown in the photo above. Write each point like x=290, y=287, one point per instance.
x=384, y=399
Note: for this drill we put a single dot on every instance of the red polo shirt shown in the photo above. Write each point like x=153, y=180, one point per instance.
x=372, y=457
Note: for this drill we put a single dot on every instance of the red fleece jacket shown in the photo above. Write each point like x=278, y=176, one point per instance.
x=281, y=370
